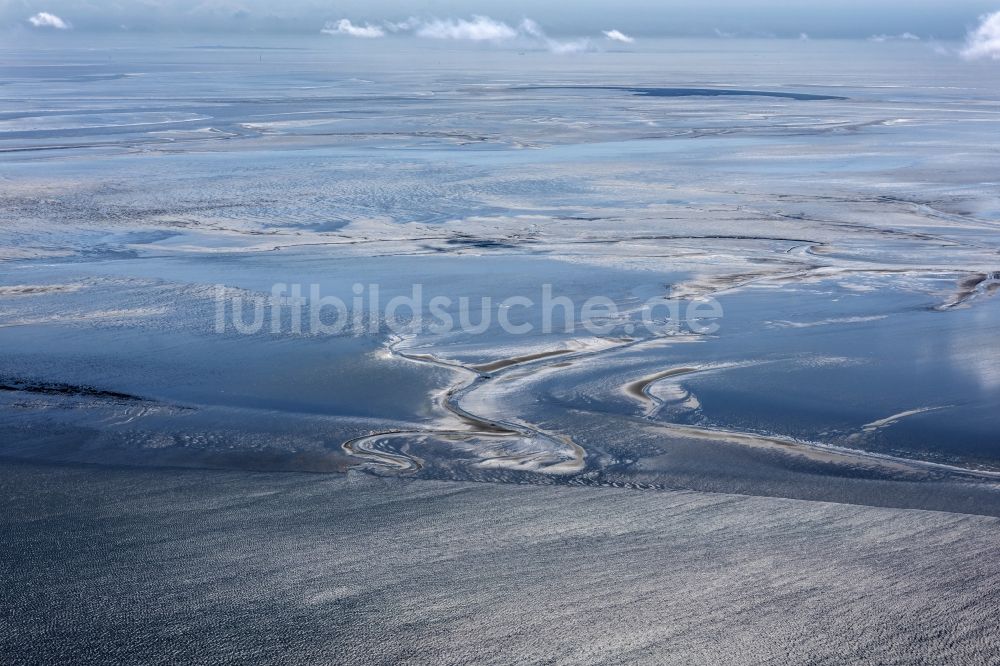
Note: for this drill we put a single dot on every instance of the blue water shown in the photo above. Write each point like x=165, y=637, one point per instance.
x=836, y=199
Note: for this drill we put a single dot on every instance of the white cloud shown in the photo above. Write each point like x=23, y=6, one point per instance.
x=906, y=36
x=345, y=27
x=485, y=29
x=47, y=20
x=618, y=36
x=984, y=41
x=532, y=29
x=803, y=36
x=409, y=24
x=479, y=29
x=565, y=48
x=476, y=29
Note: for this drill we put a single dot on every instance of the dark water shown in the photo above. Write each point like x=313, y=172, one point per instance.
x=698, y=92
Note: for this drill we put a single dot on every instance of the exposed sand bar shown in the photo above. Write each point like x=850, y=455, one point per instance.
x=508, y=362
x=219, y=567
x=640, y=389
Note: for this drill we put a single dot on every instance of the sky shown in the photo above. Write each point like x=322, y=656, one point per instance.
x=936, y=19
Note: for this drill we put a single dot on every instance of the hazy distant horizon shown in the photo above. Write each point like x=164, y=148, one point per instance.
x=636, y=18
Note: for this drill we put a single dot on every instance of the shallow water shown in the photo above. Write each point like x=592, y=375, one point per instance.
x=847, y=227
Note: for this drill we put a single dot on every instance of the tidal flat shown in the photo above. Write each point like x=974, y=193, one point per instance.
x=817, y=238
